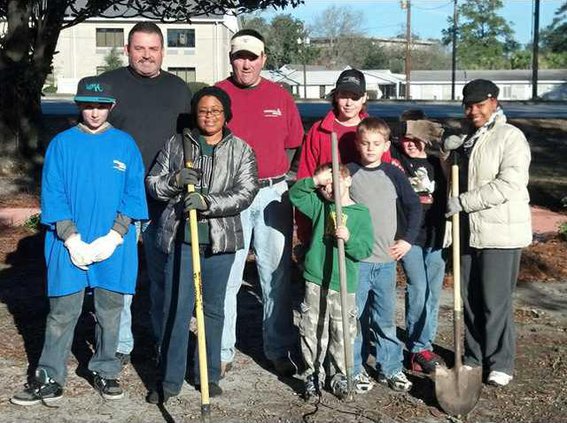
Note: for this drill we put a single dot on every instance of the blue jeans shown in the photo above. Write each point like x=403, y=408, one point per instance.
x=155, y=268
x=376, y=295
x=179, y=304
x=425, y=269
x=269, y=220
x=60, y=327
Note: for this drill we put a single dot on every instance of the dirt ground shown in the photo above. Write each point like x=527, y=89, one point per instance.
x=252, y=392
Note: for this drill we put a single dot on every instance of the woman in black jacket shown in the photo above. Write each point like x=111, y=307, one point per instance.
x=224, y=174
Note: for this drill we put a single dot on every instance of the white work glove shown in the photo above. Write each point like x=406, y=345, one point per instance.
x=80, y=251
x=421, y=182
x=103, y=247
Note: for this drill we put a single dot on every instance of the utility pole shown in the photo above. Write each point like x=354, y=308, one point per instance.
x=406, y=4
x=305, y=41
x=535, y=53
x=454, y=53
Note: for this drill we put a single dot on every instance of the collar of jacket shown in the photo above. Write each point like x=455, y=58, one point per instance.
x=194, y=134
x=329, y=120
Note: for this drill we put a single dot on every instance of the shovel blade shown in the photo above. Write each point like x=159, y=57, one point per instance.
x=458, y=389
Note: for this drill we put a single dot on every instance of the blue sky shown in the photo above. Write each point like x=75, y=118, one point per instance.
x=384, y=18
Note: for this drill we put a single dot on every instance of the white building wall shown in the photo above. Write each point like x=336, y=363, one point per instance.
x=79, y=56
x=509, y=90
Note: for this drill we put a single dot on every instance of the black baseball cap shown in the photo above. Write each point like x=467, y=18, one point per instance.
x=351, y=80
x=479, y=90
x=91, y=89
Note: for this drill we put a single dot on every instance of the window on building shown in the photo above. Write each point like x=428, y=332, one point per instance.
x=506, y=91
x=187, y=74
x=322, y=91
x=109, y=37
x=181, y=38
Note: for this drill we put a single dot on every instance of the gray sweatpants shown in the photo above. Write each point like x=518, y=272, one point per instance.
x=488, y=278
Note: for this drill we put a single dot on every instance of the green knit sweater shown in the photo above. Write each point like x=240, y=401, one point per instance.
x=321, y=261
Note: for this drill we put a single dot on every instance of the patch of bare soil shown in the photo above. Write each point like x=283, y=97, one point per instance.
x=252, y=393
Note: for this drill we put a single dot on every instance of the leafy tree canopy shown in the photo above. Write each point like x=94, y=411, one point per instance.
x=485, y=39
x=554, y=37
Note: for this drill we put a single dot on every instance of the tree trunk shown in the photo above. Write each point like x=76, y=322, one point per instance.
x=20, y=117
x=25, y=61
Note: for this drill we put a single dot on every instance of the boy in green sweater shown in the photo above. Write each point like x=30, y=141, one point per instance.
x=321, y=322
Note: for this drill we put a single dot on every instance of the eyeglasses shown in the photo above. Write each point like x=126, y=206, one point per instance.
x=212, y=112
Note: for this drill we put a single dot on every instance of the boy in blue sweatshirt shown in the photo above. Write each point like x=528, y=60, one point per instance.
x=387, y=193
x=92, y=191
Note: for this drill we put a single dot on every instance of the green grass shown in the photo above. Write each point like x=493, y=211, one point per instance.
x=32, y=223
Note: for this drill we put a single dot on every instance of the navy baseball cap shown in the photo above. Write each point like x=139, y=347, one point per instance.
x=351, y=80
x=479, y=90
x=92, y=90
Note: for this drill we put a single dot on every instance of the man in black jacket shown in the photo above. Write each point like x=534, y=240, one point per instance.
x=151, y=105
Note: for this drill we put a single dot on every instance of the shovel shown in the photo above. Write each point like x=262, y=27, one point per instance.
x=342, y=265
x=198, y=286
x=457, y=389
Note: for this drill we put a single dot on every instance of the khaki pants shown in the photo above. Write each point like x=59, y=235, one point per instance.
x=321, y=327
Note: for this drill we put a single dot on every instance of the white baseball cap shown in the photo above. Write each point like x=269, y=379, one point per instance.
x=247, y=43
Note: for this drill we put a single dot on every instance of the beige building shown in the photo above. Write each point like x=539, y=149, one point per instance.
x=196, y=51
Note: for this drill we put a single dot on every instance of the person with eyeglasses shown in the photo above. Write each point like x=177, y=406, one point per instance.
x=225, y=177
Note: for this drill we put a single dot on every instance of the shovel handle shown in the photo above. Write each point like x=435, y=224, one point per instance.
x=198, y=286
x=456, y=241
x=457, y=300
x=342, y=264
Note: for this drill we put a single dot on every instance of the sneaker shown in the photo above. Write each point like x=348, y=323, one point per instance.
x=339, y=386
x=311, y=388
x=158, y=396
x=123, y=358
x=226, y=366
x=362, y=382
x=109, y=388
x=37, y=391
x=398, y=382
x=214, y=389
x=285, y=367
x=496, y=378
x=425, y=361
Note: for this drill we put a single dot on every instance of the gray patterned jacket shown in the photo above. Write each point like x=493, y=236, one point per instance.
x=233, y=186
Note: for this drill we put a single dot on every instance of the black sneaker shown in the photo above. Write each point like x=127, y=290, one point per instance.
x=214, y=389
x=311, y=388
x=339, y=386
x=36, y=392
x=109, y=388
x=123, y=358
x=158, y=396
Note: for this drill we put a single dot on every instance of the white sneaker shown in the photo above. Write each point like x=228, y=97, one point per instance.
x=362, y=382
x=398, y=382
x=496, y=378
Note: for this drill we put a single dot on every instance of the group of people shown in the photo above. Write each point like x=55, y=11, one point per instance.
x=123, y=172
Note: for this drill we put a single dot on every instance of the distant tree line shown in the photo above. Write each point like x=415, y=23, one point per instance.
x=485, y=40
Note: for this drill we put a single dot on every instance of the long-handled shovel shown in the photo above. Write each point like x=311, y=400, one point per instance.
x=342, y=265
x=198, y=285
x=458, y=389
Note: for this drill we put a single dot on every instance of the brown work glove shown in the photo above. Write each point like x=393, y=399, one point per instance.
x=424, y=130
